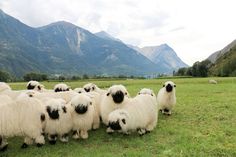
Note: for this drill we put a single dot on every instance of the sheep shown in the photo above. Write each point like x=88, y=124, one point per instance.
x=6, y=90
x=212, y=81
x=61, y=87
x=82, y=112
x=166, y=98
x=35, y=85
x=79, y=90
x=67, y=95
x=92, y=87
x=116, y=97
x=139, y=114
x=58, y=120
x=146, y=91
x=23, y=117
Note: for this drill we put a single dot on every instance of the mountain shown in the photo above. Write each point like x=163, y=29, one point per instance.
x=224, y=61
x=105, y=35
x=163, y=56
x=213, y=57
x=64, y=48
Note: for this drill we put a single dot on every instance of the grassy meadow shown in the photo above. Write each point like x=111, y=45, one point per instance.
x=203, y=123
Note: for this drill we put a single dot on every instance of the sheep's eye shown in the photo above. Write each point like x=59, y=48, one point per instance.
x=125, y=93
x=93, y=88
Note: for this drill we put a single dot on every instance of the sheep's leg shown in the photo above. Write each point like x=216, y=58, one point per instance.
x=84, y=134
x=27, y=141
x=3, y=144
x=40, y=141
x=109, y=130
x=75, y=134
x=141, y=131
x=64, y=137
x=52, y=139
x=96, y=121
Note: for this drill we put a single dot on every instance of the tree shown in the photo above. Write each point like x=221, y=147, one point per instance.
x=85, y=76
x=5, y=76
x=35, y=76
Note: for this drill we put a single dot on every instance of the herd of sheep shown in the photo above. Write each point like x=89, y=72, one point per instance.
x=36, y=113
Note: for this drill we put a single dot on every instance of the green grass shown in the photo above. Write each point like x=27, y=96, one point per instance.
x=203, y=123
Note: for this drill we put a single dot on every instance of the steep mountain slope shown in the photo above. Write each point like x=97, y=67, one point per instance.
x=63, y=48
x=213, y=57
x=163, y=56
x=225, y=64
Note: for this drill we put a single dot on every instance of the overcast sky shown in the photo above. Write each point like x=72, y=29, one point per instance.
x=193, y=28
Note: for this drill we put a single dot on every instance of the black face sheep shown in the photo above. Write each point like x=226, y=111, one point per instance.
x=23, y=117
x=61, y=87
x=58, y=120
x=116, y=97
x=82, y=111
x=139, y=114
x=166, y=98
x=34, y=85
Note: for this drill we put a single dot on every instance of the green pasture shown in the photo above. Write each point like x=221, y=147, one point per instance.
x=203, y=124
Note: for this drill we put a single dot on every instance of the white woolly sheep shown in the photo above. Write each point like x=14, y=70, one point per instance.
x=79, y=90
x=61, y=87
x=115, y=98
x=6, y=90
x=146, y=91
x=212, y=81
x=82, y=111
x=166, y=98
x=23, y=117
x=139, y=114
x=34, y=85
x=93, y=87
x=58, y=120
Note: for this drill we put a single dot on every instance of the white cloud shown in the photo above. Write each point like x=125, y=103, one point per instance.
x=195, y=29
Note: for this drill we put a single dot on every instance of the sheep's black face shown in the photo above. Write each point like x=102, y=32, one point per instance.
x=169, y=88
x=114, y=125
x=29, y=87
x=118, y=97
x=81, y=109
x=53, y=114
x=87, y=89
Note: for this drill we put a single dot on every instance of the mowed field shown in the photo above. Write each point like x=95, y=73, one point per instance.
x=203, y=123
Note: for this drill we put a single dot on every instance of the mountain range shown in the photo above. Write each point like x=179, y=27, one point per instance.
x=64, y=48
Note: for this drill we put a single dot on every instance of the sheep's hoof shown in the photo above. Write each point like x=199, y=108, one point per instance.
x=52, y=142
x=24, y=145
x=4, y=148
x=147, y=131
x=39, y=144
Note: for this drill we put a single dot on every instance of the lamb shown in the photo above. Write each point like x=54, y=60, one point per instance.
x=92, y=87
x=82, y=111
x=58, y=120
x=139, y=114
x=212, y=81
x=166, y=98
x=116, y=97
x=23, y=117
x=61, y=87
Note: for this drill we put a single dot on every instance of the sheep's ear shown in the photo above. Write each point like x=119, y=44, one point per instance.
x=90, y=103
x=174, y=85
x=64, y=109
x=163, y=85
x=108, y=94
x=39, y=88
x=48, y=109
x=139, y=93
x=93, y=88
x=151, y=94
x=123, y=120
